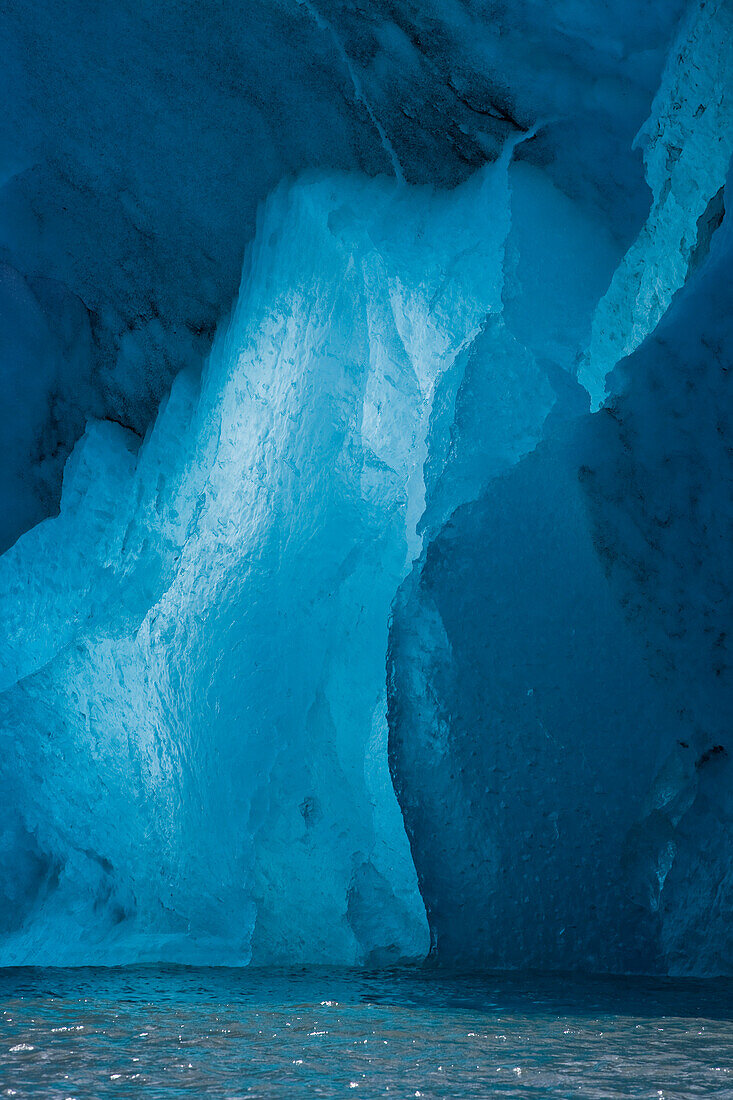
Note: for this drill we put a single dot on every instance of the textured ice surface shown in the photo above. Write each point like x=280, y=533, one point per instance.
x=385, y=504
x=560, y=691
x=194, y=710
x=137, y=142
x=687, y=143
x=660, y=490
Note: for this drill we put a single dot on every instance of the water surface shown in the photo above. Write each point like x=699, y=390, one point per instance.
x=183, y=1032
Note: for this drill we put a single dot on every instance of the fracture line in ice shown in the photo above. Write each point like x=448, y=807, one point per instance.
x=359, y=93
x=687, y=143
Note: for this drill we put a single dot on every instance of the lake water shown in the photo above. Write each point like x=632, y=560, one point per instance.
x=182, y=1032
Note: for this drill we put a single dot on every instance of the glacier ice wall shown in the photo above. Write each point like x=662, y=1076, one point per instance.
x=559, y=688
x=401, y=625
x=193, y=708
x=658, y=482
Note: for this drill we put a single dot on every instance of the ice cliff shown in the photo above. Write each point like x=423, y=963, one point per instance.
x=397, y=618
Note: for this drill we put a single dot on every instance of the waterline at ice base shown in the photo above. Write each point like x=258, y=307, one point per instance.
x=366, y=509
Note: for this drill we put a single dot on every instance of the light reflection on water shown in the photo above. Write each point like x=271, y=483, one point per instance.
x=179, y=1032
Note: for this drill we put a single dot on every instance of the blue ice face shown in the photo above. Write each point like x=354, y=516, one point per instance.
x=208, y=701
x=376, y=636
x=558, y=653
x=135, y=151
